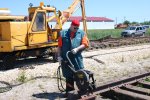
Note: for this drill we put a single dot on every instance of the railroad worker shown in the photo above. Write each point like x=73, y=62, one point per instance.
x=74, y=40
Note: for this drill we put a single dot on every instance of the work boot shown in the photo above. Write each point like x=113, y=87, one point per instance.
x=69, y=87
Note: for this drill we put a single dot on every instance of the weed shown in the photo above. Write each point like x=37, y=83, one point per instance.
x=147, y=79
x=41, y=87
x=139, y=85
x=22, y=78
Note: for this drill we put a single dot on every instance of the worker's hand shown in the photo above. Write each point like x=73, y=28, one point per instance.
x=59, y=59
x=74, y=51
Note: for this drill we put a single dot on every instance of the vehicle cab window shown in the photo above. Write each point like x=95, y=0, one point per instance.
x=141, y=28
x=138, y=28
x=39, y=22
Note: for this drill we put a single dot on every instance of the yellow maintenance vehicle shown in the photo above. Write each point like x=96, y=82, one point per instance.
x=31, y=36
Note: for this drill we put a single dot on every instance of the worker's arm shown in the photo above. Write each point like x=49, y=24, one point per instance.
x=85, y=41
x=84, y=44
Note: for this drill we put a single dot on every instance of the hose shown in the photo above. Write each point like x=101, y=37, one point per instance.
x=59, y=80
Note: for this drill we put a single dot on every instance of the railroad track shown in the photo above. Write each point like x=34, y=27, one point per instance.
x=108, y=41
x=133, y=88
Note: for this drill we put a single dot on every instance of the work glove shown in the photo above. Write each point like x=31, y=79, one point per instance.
x=59, y=59
x=74, y=51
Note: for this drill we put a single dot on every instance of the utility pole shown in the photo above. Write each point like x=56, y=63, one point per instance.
x=124, y=18
x=116, y=21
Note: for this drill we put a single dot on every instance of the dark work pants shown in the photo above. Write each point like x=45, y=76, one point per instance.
x=68, y=74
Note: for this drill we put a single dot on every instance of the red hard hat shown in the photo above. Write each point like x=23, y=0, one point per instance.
x=75, y=22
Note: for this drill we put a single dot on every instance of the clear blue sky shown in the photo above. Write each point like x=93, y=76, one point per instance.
x=118, y=10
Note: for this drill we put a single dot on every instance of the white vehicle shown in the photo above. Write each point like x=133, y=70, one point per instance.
x=133, y=31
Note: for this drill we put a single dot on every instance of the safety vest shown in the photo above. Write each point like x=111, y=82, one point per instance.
x=68, y=44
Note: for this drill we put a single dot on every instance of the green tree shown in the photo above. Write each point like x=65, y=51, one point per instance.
x=134, y=23
x=126, y=22
x=145, y=23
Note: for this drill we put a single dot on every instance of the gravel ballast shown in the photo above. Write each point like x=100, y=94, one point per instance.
x=106, y=64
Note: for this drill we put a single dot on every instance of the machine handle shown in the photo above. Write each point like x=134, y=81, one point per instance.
x=67, y=55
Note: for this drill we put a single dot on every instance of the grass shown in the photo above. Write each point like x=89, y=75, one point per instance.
x=100, y=33
x=147, y=79
x=148, y=32
x=22, y=78
x=139, y=85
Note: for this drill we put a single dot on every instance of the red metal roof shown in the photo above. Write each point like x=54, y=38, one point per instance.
x=94, y=19
x=89, y=19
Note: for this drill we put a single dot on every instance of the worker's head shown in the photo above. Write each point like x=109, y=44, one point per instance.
x=74, y=25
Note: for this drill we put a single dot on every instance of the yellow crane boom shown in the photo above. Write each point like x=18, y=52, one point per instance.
x=66, y=14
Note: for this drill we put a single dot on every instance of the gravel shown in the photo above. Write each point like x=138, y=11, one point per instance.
x=36, y=79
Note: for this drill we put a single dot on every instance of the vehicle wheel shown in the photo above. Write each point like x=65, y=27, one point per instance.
x=143, y=35
x=8, y=61
x=43, y=54
x=132, y=35
x=122, y=36
x=39, y=57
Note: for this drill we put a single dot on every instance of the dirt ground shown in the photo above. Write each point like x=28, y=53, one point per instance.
x=35, y=79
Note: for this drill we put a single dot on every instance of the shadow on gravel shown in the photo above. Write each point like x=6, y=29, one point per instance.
x=49, y=96
x=29, y=63
x=4, y=86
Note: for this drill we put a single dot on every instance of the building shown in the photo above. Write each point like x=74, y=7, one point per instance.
x=92, y=22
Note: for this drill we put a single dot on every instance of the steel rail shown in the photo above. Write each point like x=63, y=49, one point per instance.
x=126, y=83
